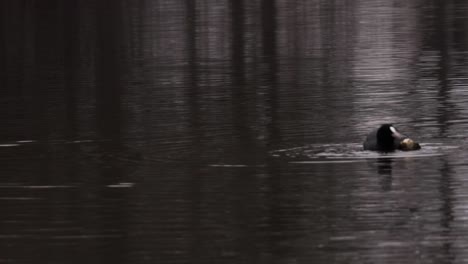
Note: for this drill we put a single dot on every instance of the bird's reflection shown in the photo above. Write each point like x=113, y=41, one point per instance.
x=384, y=169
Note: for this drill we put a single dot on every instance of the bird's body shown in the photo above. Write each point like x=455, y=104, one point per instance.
x=386, y=138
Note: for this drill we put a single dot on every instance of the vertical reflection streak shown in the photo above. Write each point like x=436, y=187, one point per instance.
x=269, y=28
x=71, y=49
x=108, y=54
x=196, y=179
x=239, y=99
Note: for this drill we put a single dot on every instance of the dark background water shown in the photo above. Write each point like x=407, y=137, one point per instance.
x=142, y=131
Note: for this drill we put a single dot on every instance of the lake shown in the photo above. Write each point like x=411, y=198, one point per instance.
x=205, y=131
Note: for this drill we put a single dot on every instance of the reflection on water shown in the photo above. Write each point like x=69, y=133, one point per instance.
x=230, y=131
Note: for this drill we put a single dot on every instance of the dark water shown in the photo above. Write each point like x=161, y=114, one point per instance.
x=230, y=131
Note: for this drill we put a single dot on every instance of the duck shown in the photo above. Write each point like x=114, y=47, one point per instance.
x=387, y=138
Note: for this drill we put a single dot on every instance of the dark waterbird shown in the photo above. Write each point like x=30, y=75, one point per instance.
x=386, y=138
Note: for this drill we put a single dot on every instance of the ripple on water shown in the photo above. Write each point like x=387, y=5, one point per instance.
x=9, y=145
x=19, y=143
x=353, y=152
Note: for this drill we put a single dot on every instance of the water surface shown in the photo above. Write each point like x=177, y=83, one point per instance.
x=231, y=131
